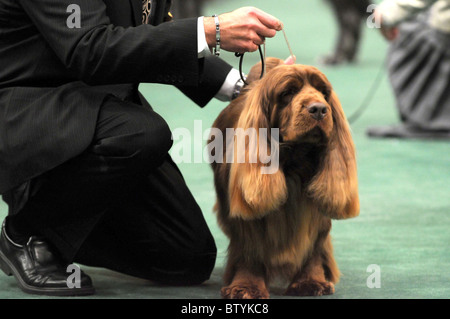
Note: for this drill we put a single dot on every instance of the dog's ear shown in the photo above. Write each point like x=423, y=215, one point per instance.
x=257, y=186
x=255, y=71
x=335, y=187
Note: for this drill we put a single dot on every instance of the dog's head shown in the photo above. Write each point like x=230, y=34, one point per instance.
x=297, y=99
x=301, y=103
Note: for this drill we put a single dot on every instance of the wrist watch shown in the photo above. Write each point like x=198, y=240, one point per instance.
x=237, y=89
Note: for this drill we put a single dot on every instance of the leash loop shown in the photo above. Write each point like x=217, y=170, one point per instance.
x=263, y=64
x=263, y=59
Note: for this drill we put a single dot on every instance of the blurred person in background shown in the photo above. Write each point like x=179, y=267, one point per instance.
x=419, y=67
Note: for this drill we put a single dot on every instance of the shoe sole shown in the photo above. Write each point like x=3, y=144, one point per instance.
x=9, y=270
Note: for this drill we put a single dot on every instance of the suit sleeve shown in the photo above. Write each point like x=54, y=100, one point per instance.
x=101, y=53
x=213, y=72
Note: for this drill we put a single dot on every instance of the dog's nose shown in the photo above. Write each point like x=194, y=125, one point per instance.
x=318, y=111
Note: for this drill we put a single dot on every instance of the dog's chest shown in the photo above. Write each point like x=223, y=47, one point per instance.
x=301, y=161
x=293, y=230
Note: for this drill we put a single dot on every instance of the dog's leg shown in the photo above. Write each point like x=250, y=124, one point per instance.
x=246, y=285
x=311, y=281
x=320, y=272
x=349, y=15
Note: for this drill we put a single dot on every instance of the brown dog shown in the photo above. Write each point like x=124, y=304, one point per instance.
x=279, y=222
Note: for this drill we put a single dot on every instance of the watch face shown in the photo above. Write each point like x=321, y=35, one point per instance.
x=237, y=89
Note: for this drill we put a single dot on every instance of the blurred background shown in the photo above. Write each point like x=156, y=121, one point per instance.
x=404, y=225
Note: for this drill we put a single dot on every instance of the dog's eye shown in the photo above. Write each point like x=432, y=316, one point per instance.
x=326, y=92
x=286, y=96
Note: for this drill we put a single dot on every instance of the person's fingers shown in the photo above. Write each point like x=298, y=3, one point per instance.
x=259, y=40
x=390, y=33
x=263, y=31
x=290, y=60
x=246, y=46
x=268, y=20
x=243, y=30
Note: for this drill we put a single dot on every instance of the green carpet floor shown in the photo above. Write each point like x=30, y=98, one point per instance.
x=404, y=225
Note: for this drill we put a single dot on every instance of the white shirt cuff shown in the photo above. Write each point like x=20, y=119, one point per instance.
x=202, y=45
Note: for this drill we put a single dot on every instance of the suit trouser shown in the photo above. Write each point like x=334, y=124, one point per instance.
x=123, y=204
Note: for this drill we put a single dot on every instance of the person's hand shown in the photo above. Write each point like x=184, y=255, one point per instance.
x=390, y=33
x=242, y=30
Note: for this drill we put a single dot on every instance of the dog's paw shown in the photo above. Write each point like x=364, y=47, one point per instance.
x=244, y=292
x=310, y=288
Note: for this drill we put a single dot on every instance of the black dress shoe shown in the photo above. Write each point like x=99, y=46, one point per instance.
x=38, y=270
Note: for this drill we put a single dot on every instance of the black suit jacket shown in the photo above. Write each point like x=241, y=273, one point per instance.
x=53, y=79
